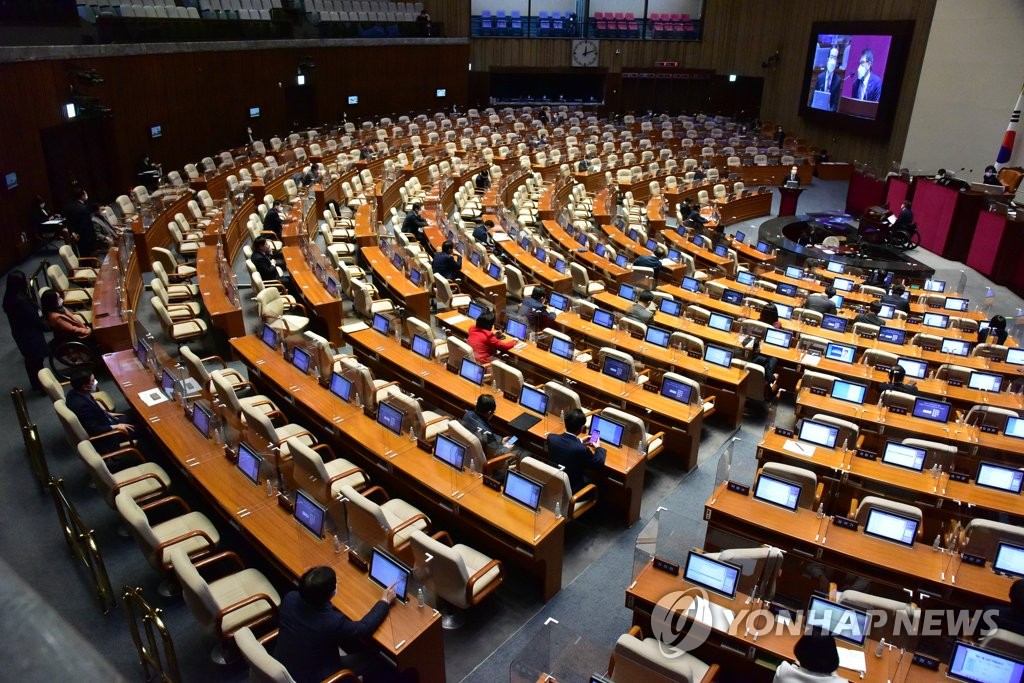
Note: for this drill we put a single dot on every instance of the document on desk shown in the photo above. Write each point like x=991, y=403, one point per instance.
x=500, y=237
x=456, y=319
x=801, y=449
x=852, y=659
x=810, y=359
x=717, y=617
x=354, y=327
x=151, y=397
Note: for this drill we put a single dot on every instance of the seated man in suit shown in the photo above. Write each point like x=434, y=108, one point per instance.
x=534, y=310
x=413, y=225
x=906, y=217
x=446, y=263
x=482, y=233
x=994, y=332
x=643, y=310
x=822, y=303
x=94, y=417
x=272, y=221
x=312, y=630
x=896, y=382
x=263, y=259
x=478, y=421
x=652, y=261
x=895, y=298
x=871, y=317
x=572, y=454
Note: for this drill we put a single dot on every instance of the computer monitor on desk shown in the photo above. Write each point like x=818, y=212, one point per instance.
x=776, y=491
x=891, y=526
x=818, y=433
x=973, y=664
x=714, y=575
x=842, y=622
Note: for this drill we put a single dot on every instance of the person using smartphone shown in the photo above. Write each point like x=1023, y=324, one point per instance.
x=575, y=456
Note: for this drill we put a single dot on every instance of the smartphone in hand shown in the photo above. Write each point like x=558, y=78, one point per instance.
x=595, y=438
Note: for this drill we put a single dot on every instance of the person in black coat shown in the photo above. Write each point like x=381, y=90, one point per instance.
x=445, y=264
x=897, y=377
x=573, y=455
x=272, y=221
x=652, y=261
x=482, y=233
x=906, y=217
x=994, y=332
x=26, y=326
x=822, y=304
x=79, y=223
x=871, y=316
x=478, y=421
x=414, y=223
x=991, y=176
x=312, y=630
x=263, y=261
x=895, y=298
x=94, y=417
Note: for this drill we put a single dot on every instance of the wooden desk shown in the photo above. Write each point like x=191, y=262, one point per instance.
x=532, y=541
x=415, y=299
x=623, y=484
x=555, y=281
x=672, y=273
x=803, y=534
x=757, y=657
x=111, y=319
x=225, y=314
x=475, y=280
x=410, y=636
x=326, y=307
x=700, y=254
x=744, y=208
x=606, y=391
x=598, y=266
x=748, y=253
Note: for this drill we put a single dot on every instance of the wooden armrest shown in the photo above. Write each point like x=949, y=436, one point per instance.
x=176, y=500
x=386, y=385
x=223, y=555
x=270, y=637
x=323, y=447
x=259, y=597
x=162, y=488
x=91, y=260
x=276, y=284
x=496, y=462
x=220, y=361
x=479, y=575
x=79, y=279
x=710, y=674
x=296, y=435
x=636, y=632
x=443, y=537
x=125, y=451
x=585, y=492
x=276, y=413
x=195, y=533
x=373, y=490
x=88, y=295
x=412, y=520
x=343, y=675
x=853, y=508
x=436, y=420
x=343, y=475
x=113, y=432
x=818, y=491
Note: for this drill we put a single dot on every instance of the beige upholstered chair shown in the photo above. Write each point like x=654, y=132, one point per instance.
x=273, y=310
x=636, y=658
x=572, y=504
x=263, y=668
x=389, y=524
x=178, y=330
x=459, y=575
x=981, y=537
x=426, y=423
x=55, y=389
x=328, y=477
x=810, y=489
x=859, y=511
x=142, y=481
x=759, y=568
x=904, y=613
x=280, y=436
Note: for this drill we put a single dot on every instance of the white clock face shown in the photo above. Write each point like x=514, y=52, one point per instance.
x=584, y=53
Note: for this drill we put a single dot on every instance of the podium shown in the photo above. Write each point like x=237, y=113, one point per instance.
x=997, y=245
x=860, y=108
x=788, y=197
x=946, y=218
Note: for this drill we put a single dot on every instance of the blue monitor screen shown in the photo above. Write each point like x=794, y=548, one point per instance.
x=381, y=323
x=422, y=346
x=534, y=399
x=786, y=289
x=390, y=417
x=763, y=247
x=720, y=322
x=341, y=387
x=740, y=237
x=561, y=348
x=608, y=431
x=690, y=285
x=604, y=318
x=670, y=307
x=472, y=371
x=627, y=292
x=745, y=277
x=619, y=369
x=834, y=323
x=474, y=310
x=516, y=328
x=891, y=335
x=718, y=356
x=676, y=390
x=936, y=411
x=494, y=271
x=558, y=301
x=731, y=296
x=795, y=273
x=658, y=336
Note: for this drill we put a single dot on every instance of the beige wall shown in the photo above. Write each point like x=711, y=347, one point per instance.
x=970, y=80
x=738, y=36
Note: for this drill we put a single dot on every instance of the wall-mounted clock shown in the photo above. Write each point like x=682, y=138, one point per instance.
x=584, y=53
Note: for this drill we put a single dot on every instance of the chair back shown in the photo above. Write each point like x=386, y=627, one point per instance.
x=366, y=520
x=194, y=588
x=643, y=660
x=555, y=481
x=508, y=379
x=898, y=399
x=225, y=391
x=51, y=385
x=993, y=351
x=807, y=479
x=950, y=371
x=257, y=421
x=138, y=523
x=74, y=432
x=635, y=433
x=848, y=431
x=1005, y=641
x=446, y=570
x=561, y=399
x=474, y=449
x=978, y=416
x=309, y=463
x=195, y=366
x=687, y=343
x=609, y=352
x=759, y=567
x=870, y=503
x=263, y=668
x=98, y=470
x=904, y=613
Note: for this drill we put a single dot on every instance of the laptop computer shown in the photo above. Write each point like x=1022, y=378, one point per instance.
x=1009, y=559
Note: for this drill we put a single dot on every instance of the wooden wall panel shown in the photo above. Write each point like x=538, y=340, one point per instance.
x=201, y=99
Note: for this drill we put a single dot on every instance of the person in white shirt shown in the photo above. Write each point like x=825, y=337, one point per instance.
x=817, y=659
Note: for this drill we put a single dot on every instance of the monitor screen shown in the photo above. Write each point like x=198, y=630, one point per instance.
x=650, y=244
x=718, y=355
x=1014, y=427
x=269, y=336
x=795, y=272
x=936, y=411
x=891, y=335
x=844, y=623
x=955, y=347
x=604, y=318
x=416, y=276
x=721, y=322
x=627, y=292
x=386, y=571
x=1015, y=356
x=939, y=320
x=201, y=419
x=818, y=433
x=739, y=237
x=249, y=462
x=619, y=369
x=381, y=323
x=670, y=307
x=763, y=247
x=976, y=665
x=523, y=490
x=353, y=99
x=777, y=491
x=254, y=112
x=558, y=301
x=474, y=310
x=390, y=417
x=914, y=368
x=985, y=381
x=833, y=322
x=849, y=391
x=341, y=387
x=1009, y=559
x=450, y=452
x=658, y=337
x=1002, y=477
x=534, y=399
x=690, y=284
x=673, y=255
x=786, y=289
x=731, y=296
x=167, y=382
x=891, y=526
x=834, y=267
x=721, y=250
x=955, y=304
x=716, y=576
x=332, y=286
x=785, y=312
x=422, y=346
x=904, y=456
x=840, y=352
x=300, y=359
x=541, y=254
x=560, y=265
x=310, y=514
x=516, y=328
x=843, y=285
x=562, y=348
x=780, y=338
x=745, y=277
x=141, y=352
x=494, y=271
x=475, y=258
x=934, y=286
x=887, y=311
x=398, y=262
x=474, y=372
x=676, y=390
x=600, y=250
x=609, y=431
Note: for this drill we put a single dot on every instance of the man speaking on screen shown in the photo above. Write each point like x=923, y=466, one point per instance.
x=868, y=86
x=829, y=81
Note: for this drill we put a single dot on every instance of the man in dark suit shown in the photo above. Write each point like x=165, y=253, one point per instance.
x=413, y=225
x=868, y=86
x=79, y=223
x=264, y=262
x=698, y=174
x=534, y=310
x=906, y=217
x=94, y=417
x=482, y=233
x=272, y=221
x=652, y=261
x=478, y=421
x=871, y=317
x=896, y=382
x=573, y=455
x=312, y=630
x=829, y=81
x=445, y=264
x=822, y=304
x=895, y=299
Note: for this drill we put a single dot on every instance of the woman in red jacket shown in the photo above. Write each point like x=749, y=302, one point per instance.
x=484, y=342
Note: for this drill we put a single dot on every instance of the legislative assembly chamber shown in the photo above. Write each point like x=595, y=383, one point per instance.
x=577, y=340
